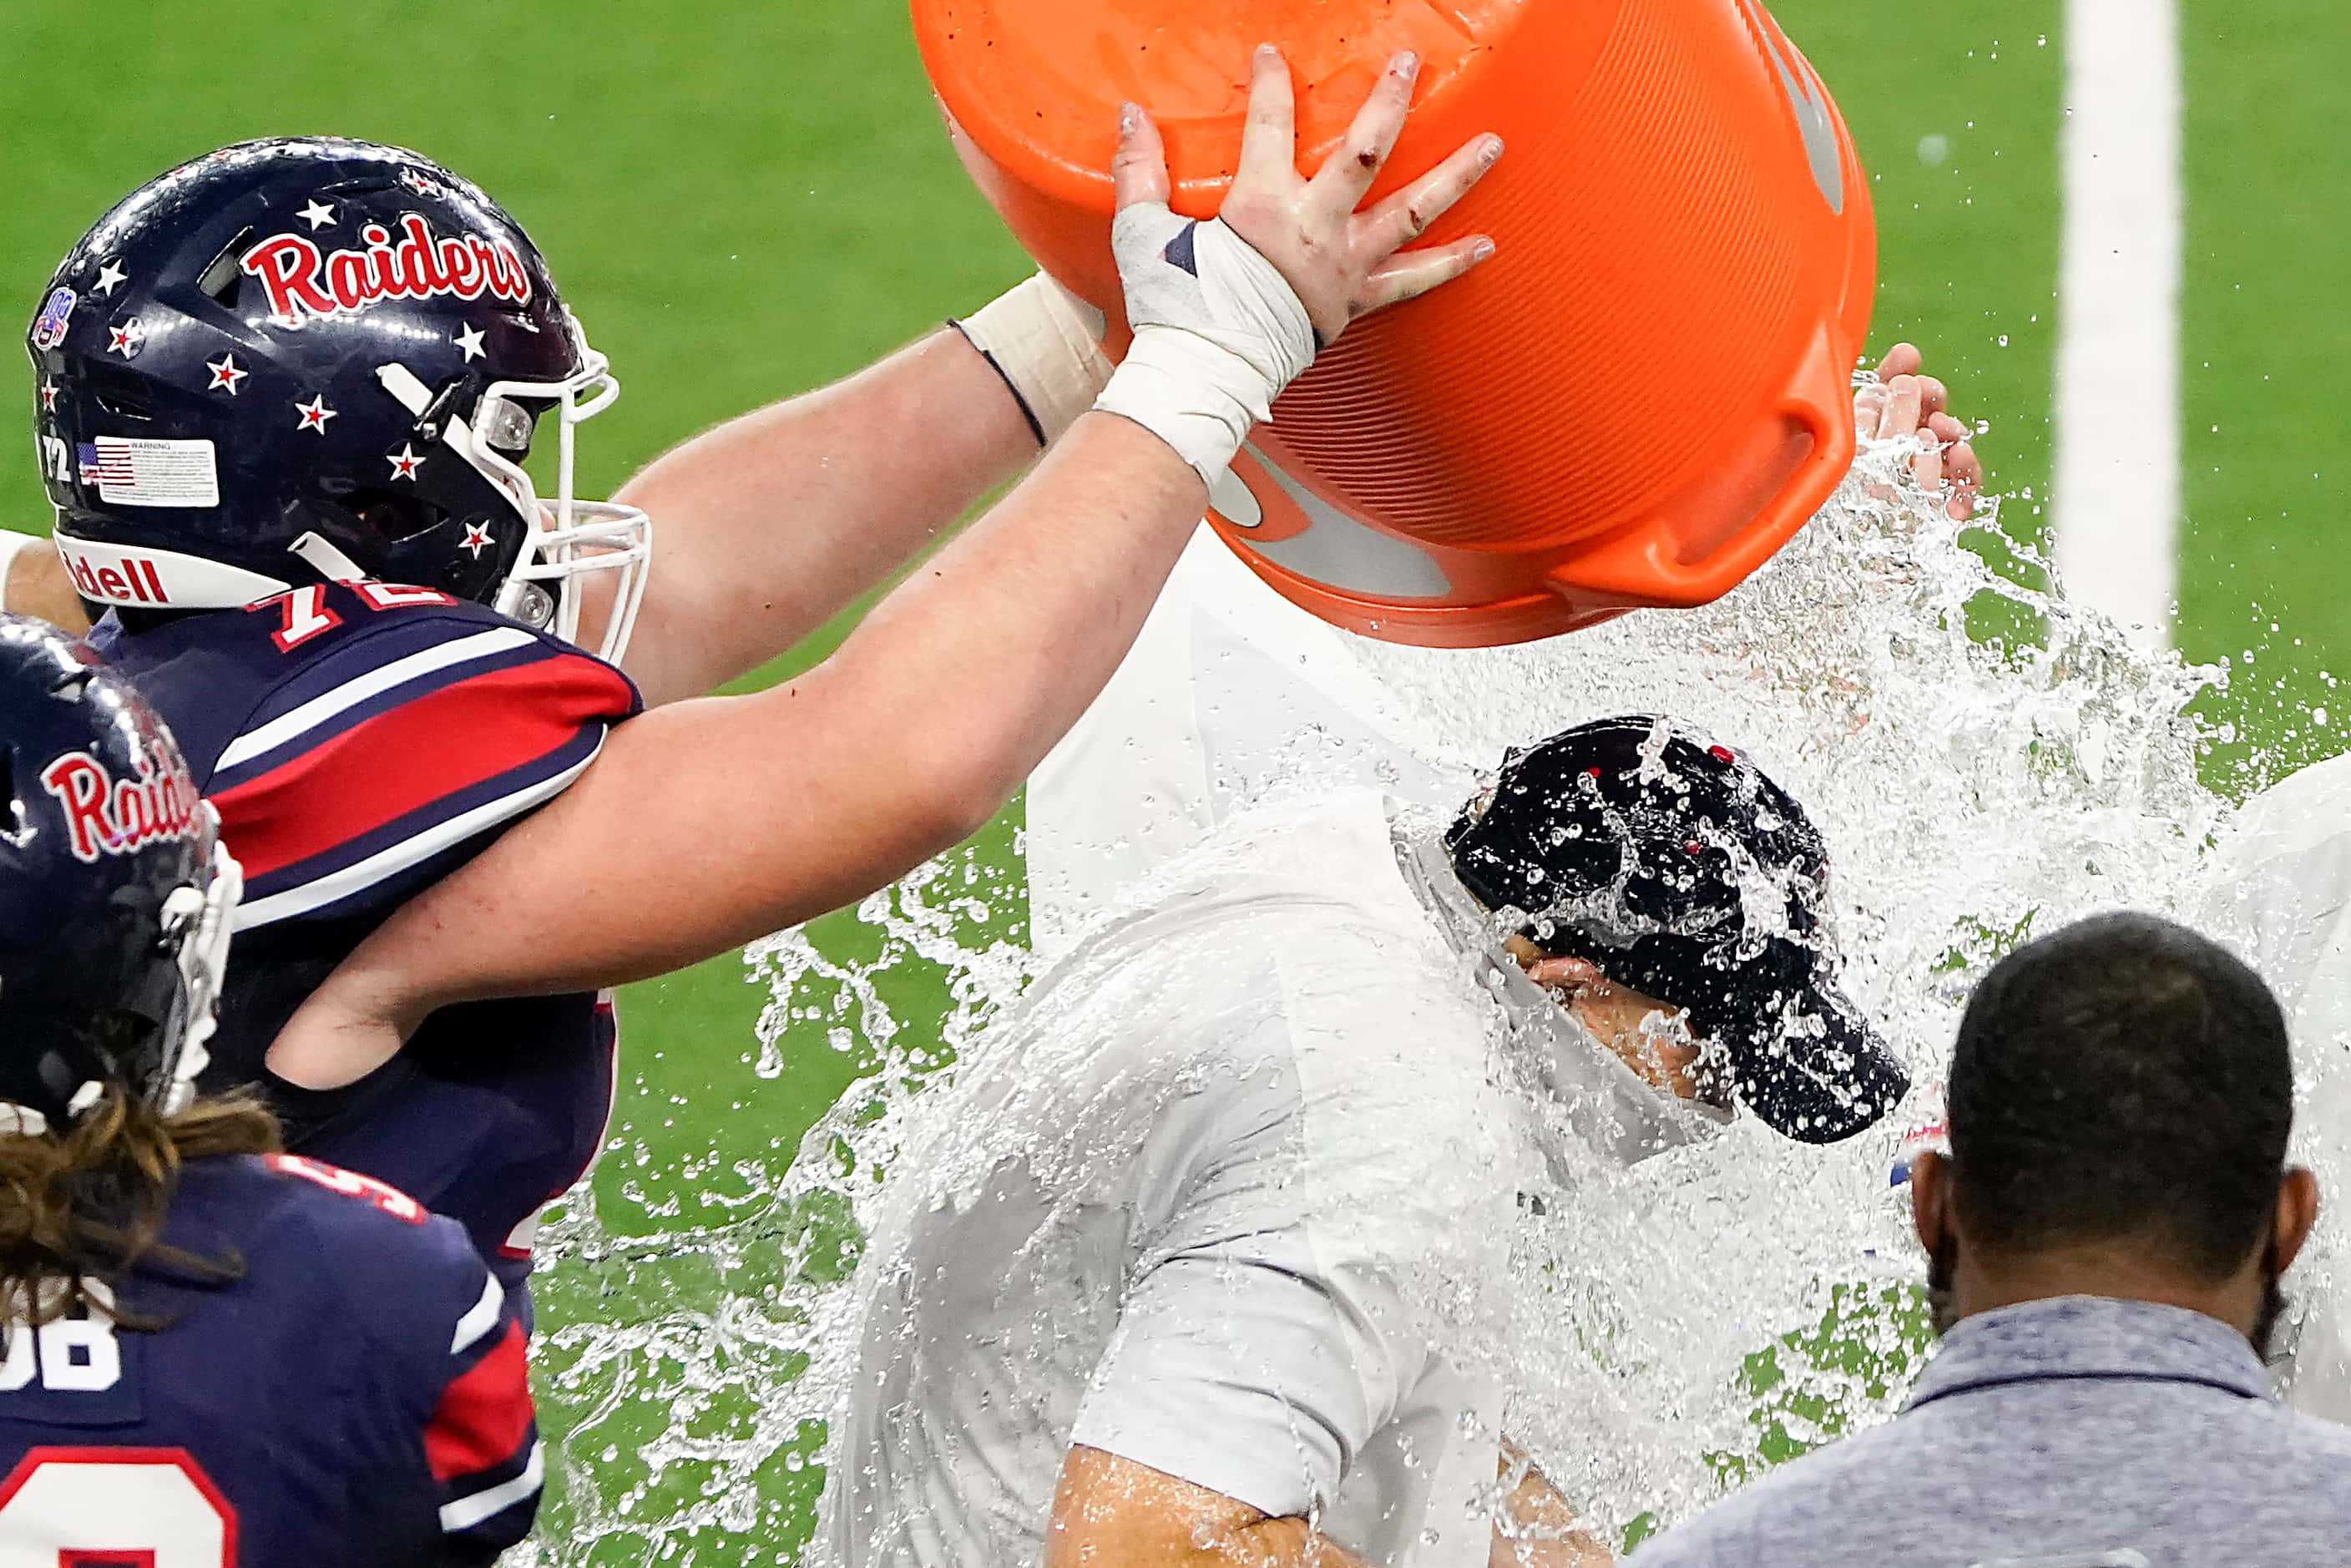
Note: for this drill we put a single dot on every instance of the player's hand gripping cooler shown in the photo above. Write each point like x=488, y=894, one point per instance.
x=1511, y=457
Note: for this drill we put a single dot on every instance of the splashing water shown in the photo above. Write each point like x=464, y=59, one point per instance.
x=1666, y=1328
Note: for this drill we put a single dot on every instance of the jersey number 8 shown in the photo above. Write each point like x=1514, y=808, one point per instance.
x=80, y=1507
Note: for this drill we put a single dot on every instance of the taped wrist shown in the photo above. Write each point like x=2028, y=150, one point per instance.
x=1046, y=344
x=1219, y=333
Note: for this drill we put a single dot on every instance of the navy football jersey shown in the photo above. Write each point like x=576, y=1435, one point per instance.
x=361, y=741
x=357, y=1396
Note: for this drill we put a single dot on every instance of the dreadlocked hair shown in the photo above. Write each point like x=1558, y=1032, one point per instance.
x=88, y=1203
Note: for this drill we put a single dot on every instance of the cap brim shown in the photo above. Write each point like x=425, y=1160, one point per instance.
x=1821, y=1080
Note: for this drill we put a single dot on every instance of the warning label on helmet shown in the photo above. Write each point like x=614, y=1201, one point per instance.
x=130, y=472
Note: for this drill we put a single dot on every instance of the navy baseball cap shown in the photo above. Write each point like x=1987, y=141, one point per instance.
x=1674, y=866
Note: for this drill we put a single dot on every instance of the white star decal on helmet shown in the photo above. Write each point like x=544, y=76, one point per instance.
x=111, y=277
x=405, y=463
x=226, y=375
x=315, y=414
x=125, y=339
x=469, y=341
x=477, y=539
x=318, y=214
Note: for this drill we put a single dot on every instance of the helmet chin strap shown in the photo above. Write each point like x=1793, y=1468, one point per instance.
x=325, y=559
x=412, y=394
x=561, y=540
x=24, y=1122
x=407, y=388
x=21, y=1120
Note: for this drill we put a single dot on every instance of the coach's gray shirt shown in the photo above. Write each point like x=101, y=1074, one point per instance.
x=2074, y=1433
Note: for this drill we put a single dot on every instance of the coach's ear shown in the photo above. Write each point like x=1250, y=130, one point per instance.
x=1931, y=1200
x=2297, y=1214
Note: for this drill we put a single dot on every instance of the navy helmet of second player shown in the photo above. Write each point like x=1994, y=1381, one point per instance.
x=114, y=933
x=315, y=360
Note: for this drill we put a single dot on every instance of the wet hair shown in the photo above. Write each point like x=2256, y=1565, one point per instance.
x=88, y=1202
x=2123, y=1079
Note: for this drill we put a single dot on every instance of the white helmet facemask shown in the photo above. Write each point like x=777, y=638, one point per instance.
x=566, y=537
x=201, y=918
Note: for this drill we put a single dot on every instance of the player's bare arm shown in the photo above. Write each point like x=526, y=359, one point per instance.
x=708, y=823
x=773, y=523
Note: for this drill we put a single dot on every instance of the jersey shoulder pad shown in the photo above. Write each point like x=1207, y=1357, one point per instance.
x=406, y=1272
x=219, y=675
x=334, y=1225
x=405, y=726
x=306, y=650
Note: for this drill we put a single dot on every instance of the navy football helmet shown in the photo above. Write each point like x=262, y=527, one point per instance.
x=115, y=892
x=305, y=360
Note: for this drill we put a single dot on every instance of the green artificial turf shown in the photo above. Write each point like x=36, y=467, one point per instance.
x=742, y=201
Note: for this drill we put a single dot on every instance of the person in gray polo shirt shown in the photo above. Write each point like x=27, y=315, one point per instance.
x=2106, y=1237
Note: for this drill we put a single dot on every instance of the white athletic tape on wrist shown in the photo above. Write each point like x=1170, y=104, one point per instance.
x=1046, y=344
x=1219, y=333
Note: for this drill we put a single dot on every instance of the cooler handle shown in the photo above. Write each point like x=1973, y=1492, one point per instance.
x=1643, y=566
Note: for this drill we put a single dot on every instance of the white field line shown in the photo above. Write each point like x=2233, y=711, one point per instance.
x=2116, y=516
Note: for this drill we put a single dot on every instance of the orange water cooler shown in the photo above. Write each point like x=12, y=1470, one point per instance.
x=1636, y=402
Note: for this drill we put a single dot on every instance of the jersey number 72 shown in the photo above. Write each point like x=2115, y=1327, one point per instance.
x=302, y=613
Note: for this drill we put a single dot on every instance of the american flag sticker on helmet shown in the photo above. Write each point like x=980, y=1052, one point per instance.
x=135, y=473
